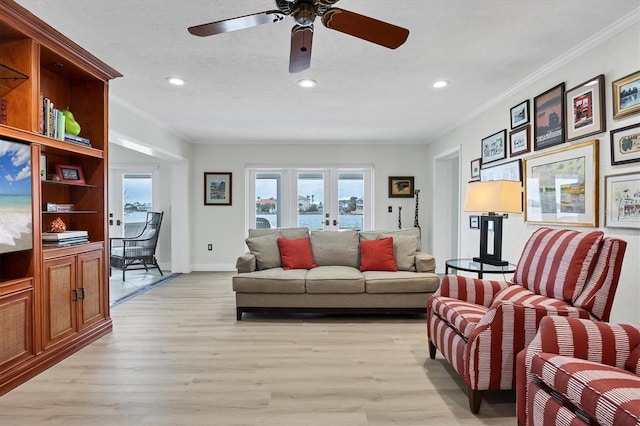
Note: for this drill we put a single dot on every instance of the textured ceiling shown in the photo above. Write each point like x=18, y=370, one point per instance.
x=239, y=88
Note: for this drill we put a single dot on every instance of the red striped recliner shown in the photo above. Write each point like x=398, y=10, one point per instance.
x=481, y=325
x=580, y=372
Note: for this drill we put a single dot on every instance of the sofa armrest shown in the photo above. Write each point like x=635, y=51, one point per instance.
x=246, y=263
x=471, y=290
x=425, y=262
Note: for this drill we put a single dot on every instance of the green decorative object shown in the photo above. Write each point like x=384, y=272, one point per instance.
x=71, y=126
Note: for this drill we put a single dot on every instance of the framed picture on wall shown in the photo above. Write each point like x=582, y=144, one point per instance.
x=548, y=118
x=520, y=141
x=520, y=114
x=217, y=189
x=475, y=168
x=401, y=186
x=626, y=97
x=511, y=170
x=561, y=186
x=625, y=145
x=585, y=109
x=474, y=222
x=622, y=201
x=494, y=147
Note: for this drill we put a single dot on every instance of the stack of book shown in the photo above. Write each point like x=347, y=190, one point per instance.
x=63, y=239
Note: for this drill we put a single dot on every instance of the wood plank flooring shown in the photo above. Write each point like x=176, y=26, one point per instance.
x=178, y=356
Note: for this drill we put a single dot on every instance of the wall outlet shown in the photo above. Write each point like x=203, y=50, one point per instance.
x=390, y=209
x=210, y=247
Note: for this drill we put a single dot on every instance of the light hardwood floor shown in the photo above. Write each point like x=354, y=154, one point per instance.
x=178, y=356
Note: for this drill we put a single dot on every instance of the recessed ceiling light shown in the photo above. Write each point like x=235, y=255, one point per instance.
x=307, y=82
x=176, y=81
x=440, y=84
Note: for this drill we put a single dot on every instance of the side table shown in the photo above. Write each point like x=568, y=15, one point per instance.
x=469, y=265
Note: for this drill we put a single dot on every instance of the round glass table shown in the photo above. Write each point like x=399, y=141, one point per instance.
x=470, y=265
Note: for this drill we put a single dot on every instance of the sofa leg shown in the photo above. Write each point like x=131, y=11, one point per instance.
x=238, y=314
x=432, y=350
x=475, y=399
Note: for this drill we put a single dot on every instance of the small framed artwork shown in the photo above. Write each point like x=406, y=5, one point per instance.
x=520, y=114
x=70, y=174
x=511, y=170
x=475, y=168
x=494, y=147
x=520, y=141
x=622, y=195
x=561, y=186
x=217, y=189
x=474, y=222
x=401, y=186
x=626, y=100
x=585, y=109
x=548, y=118
x=625, y=145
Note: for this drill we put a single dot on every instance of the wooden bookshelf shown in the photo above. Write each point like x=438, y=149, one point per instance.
x=53, y=301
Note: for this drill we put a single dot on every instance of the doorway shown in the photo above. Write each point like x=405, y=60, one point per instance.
x=446, y=207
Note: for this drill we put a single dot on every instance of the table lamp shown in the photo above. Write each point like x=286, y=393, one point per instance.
x=494, y=198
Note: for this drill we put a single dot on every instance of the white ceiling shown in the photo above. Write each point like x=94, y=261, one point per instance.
x=239, y=88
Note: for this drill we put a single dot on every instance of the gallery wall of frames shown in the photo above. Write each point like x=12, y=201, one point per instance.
x=551, y=147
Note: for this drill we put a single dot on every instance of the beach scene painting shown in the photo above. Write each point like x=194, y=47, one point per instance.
x=16, y=219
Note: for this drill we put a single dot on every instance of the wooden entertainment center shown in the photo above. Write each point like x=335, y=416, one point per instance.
x=53, y=301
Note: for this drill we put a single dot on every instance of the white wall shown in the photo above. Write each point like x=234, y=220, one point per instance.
x=224, y=226
x=614, y=57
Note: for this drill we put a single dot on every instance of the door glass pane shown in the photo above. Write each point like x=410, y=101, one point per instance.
x=268, y=200
x=311, y=200
x=137, y=197
x=351, y=200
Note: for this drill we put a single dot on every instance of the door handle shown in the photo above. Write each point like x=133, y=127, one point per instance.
x=335, y=222
x=118, y=222
x=110, y=222
x=326, y=222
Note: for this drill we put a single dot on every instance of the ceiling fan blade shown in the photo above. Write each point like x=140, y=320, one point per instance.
x=366, y=28
x=239, y=23
x=301, y=42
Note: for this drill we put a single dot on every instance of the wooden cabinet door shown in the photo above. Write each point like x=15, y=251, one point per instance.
x=91, y=288
x=60, y=308
x=16, y=323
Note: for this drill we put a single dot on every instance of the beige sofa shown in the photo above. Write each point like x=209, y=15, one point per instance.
x=336, y=284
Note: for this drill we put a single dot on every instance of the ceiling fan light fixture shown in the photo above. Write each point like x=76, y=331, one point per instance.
x=440, y=84
x=307, y=83
x=176, y=81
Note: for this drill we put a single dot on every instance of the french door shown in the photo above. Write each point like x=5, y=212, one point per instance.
x=133, y=191
x=328, y=198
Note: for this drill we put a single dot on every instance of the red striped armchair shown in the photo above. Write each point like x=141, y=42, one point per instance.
x=580, y=372
x=480, y=325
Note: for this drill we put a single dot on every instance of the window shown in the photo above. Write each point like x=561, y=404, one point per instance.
x=329, y=198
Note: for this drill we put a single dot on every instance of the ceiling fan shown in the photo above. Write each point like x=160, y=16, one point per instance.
x=304, y=12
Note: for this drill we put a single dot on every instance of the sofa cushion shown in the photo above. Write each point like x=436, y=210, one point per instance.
x=377, y=255
x=633, y=363
x=274, y=280
x=290, y=233
x=605, y=393
x=335, y=248
x=334, y=279
x=374, y=235
x=400, y=282
x=405, y=248
x=296, y=254
x=265, y=249
x=557, y=262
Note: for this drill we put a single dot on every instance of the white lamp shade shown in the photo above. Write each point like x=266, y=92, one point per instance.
x=496, y=196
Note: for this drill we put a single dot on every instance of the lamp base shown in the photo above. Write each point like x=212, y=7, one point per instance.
x=491, y=261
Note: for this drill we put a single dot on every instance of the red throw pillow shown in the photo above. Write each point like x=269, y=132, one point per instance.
x=377, y=255
x=296, y=254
